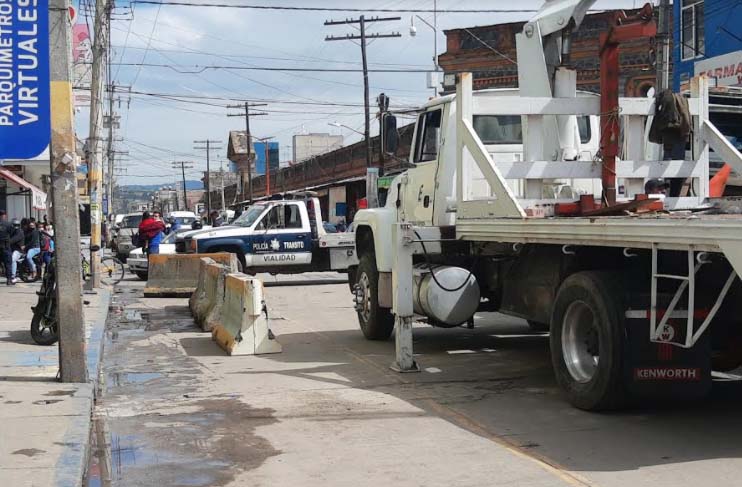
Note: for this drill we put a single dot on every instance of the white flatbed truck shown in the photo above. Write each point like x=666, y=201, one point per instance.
x=638, y=303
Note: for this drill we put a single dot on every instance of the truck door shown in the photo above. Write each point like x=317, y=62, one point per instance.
x=419, y=194
x=282, y=237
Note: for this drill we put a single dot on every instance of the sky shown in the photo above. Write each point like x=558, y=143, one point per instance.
x=157, y=130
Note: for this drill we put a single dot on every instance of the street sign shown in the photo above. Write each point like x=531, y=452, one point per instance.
x=25, y=124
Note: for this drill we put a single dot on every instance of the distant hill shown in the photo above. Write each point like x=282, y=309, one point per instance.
x=190, y=184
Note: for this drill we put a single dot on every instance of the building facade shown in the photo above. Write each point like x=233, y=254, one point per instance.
x=708, y=40
x=489, y=53
x=310, y=145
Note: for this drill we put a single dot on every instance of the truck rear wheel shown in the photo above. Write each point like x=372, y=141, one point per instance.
x=587, y=340
x=376, y=323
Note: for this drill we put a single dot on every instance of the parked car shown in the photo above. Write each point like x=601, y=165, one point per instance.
x=122, y=241
x=138, y=262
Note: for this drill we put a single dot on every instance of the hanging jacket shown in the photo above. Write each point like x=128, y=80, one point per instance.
x=672, y=121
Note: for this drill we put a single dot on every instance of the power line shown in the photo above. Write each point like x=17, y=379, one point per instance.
x=196, y=69
x=333, y=9
x=308, y=59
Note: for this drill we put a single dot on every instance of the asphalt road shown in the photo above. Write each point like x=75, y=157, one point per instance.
x=485, y=409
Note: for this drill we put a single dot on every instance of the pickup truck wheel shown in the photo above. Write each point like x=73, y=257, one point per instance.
x=587, y=340
x=376, y=323
x=536, y=326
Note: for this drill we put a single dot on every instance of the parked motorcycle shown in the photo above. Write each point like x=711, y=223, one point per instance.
x=44, y=325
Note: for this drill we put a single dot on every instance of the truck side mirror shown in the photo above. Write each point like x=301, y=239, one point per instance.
x=390, y=136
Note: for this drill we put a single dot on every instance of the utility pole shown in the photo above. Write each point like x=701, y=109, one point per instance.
x=248, y=138
x=183, y=167
x=208, y=148
x=95, y=151
x=372, y=173
x=663, y=47
x=62, y=165
x=221, y=180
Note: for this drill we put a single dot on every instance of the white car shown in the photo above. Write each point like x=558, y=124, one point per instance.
x=138, y=262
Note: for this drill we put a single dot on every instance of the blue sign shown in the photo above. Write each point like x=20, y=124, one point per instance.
x=25, y=124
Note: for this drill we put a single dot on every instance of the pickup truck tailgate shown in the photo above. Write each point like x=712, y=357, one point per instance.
x=342, y=248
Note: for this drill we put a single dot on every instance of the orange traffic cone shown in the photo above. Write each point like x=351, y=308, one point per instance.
x=718, y=183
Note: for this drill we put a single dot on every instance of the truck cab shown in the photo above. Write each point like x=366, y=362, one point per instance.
x=277, y=236
x=425, y=193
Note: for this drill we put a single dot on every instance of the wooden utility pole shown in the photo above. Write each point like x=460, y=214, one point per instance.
x=248, y=138
x=63, y=165
x=183, y=167
x=371, y=171
x=208, y=147
x=95, y=149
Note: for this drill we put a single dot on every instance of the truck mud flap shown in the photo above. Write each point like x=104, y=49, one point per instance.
x=662, y=370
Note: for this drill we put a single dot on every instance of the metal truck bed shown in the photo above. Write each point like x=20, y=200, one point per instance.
x=665, y=231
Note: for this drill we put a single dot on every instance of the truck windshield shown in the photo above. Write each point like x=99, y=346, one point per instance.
x=507, y=129
x=250, y=216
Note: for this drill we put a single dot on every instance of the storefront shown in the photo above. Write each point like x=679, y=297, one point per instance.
x=20, y=198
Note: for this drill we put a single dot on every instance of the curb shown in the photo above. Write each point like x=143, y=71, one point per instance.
x=71, y=467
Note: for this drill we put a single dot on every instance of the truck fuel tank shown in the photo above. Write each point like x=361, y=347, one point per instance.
x=450, y=301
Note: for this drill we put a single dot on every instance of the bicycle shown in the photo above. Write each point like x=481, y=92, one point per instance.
x=111, y=269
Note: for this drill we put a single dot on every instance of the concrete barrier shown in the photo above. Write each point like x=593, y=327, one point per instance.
x=176, y=275
x=242, y=328
x=198, y=302
x=206, y=303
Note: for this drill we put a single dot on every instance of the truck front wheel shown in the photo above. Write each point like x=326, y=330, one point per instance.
x=376, y=323
x=587, y=340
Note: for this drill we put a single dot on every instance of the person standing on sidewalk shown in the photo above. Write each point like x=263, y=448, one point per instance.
x=32, y=245
x=16, y=248
x=47, y=246
x=6, y=230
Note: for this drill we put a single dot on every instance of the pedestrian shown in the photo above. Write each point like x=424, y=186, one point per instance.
x=656, y=186
x=216, y=219
x=6, y=230
x=16, y=248
x=150, y=233
x=174, y=224
x=32, y=246
x=47, y=247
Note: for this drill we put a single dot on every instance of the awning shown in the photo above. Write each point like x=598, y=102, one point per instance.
x=38, y=197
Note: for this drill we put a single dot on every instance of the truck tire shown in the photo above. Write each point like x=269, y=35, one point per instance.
x=537, y=326
x=376, y=323
x=587, y=340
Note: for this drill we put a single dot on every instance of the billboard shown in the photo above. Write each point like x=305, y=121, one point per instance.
x=82, y=60
x=727, y=68
x=25, y=121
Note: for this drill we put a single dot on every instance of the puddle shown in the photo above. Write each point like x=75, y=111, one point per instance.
x=123, y=378
x=60, y=393
x=29, y=452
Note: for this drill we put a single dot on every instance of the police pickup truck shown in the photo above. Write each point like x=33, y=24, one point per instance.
x=278, y=236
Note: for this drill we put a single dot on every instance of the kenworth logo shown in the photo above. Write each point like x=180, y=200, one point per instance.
x=667, y=373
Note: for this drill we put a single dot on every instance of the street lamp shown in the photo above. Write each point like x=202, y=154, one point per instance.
x=434, y=26
x=339, y=125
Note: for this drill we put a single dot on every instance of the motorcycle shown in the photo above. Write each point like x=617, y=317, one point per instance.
x=44, y=325
x=24, y=269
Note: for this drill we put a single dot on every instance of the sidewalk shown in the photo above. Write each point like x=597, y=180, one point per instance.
x=45, y=425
